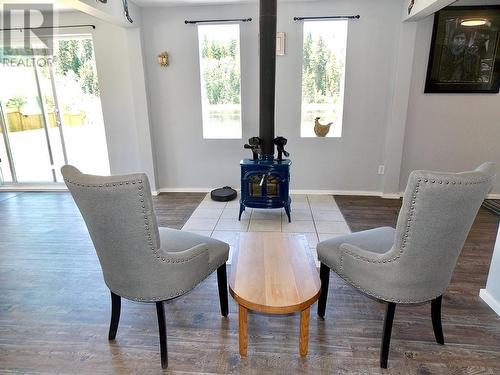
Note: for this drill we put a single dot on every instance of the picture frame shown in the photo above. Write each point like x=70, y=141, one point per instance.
x=465, y=51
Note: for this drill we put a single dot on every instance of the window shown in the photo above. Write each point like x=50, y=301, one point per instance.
x=219, y=48
x=323, y=72
x=51, y=114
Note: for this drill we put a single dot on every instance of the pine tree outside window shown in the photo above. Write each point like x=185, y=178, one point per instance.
x=219, y=50
x=323, y=75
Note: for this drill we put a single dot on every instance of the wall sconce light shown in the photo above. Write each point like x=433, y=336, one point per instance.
x=280, y=43
x=163, y=59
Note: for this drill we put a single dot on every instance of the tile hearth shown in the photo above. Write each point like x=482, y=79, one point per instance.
x=316, y=216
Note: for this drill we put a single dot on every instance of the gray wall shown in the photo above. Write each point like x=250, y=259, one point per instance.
x=451, y=132
x=185, y=160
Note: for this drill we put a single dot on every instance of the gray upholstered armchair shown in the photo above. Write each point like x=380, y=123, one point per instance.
x=414, y=262
x=140, y=261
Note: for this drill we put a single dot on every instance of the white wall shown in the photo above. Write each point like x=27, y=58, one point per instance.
x=111, y=11
x=448, y=132
x=118, y=53
x=120, y=70
x=185, y=160
x=491, y=294
x=424, y=8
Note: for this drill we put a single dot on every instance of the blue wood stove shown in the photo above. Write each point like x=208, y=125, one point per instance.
x=265, y=180
x=265, y=184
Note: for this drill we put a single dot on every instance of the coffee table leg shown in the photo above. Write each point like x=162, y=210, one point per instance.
x=304, y=331
x=242, y=317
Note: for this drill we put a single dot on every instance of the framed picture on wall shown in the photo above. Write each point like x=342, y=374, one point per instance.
x=465, y=51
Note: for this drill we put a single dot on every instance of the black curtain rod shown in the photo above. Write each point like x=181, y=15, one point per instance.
x=46, y=27
x=357, y=16
x=223, y=20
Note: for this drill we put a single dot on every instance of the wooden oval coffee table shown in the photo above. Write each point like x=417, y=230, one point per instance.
x=273, y=273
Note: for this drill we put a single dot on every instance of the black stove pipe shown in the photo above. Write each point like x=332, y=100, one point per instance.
x=267, y=61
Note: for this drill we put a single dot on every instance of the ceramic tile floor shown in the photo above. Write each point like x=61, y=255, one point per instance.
x=315, y=216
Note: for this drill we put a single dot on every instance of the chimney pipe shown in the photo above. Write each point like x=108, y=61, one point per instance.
x=267, y=61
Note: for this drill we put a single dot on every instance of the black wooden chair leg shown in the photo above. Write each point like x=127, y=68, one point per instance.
x=116, y=303
x=222, y=285
x=386, y=340
x=160, y=311
x=324, y=275
x=436, y=319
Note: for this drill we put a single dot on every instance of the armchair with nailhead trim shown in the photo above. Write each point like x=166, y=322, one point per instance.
x=414, y=262
x=140, y=261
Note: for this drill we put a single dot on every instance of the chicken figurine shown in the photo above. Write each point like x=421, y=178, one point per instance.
x=320, y=129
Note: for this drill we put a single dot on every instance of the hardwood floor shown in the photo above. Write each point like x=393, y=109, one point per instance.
x=55, y=308
x=173, y=209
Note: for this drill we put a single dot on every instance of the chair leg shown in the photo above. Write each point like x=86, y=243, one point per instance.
x=436, y=319
x=160, y=311
x=386, y=340
x=116, y=303
x=324, y=275
x=222, y=285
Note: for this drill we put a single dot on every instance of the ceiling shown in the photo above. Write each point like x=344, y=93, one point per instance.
x=214, y=2
x=57, y=6
x=196, y=2
x=477, y=2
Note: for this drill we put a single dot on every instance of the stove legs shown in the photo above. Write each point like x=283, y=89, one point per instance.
x=242, y=208
x=287, y=210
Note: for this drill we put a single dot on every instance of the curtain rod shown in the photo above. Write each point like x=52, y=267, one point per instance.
x=327, y=18
x=222, y=20
x=46, y=27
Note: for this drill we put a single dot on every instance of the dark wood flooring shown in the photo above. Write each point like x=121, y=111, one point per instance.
x=55, y=308
x=173, y=209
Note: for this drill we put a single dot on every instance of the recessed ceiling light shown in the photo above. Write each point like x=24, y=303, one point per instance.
x=474, y=22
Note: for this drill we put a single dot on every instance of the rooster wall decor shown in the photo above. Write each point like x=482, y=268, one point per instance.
x=320, y=129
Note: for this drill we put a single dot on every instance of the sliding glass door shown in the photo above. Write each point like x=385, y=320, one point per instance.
x=51, y=114
x=26, y=127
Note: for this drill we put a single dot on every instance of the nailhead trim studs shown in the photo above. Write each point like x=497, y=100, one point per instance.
x=404, y=237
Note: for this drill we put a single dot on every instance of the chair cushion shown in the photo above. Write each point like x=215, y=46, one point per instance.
x=379, y=241
x=173, y=240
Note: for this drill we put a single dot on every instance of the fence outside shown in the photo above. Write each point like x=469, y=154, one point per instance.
x=18, y=122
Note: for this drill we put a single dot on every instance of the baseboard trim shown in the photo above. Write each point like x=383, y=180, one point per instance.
x=41, y=188
x=399, y=195
x=391, y=195
x=335, y=192
x=34, y=187
x=184, y=190
x=370, y=193
x=490, y=300
x=292, y=191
